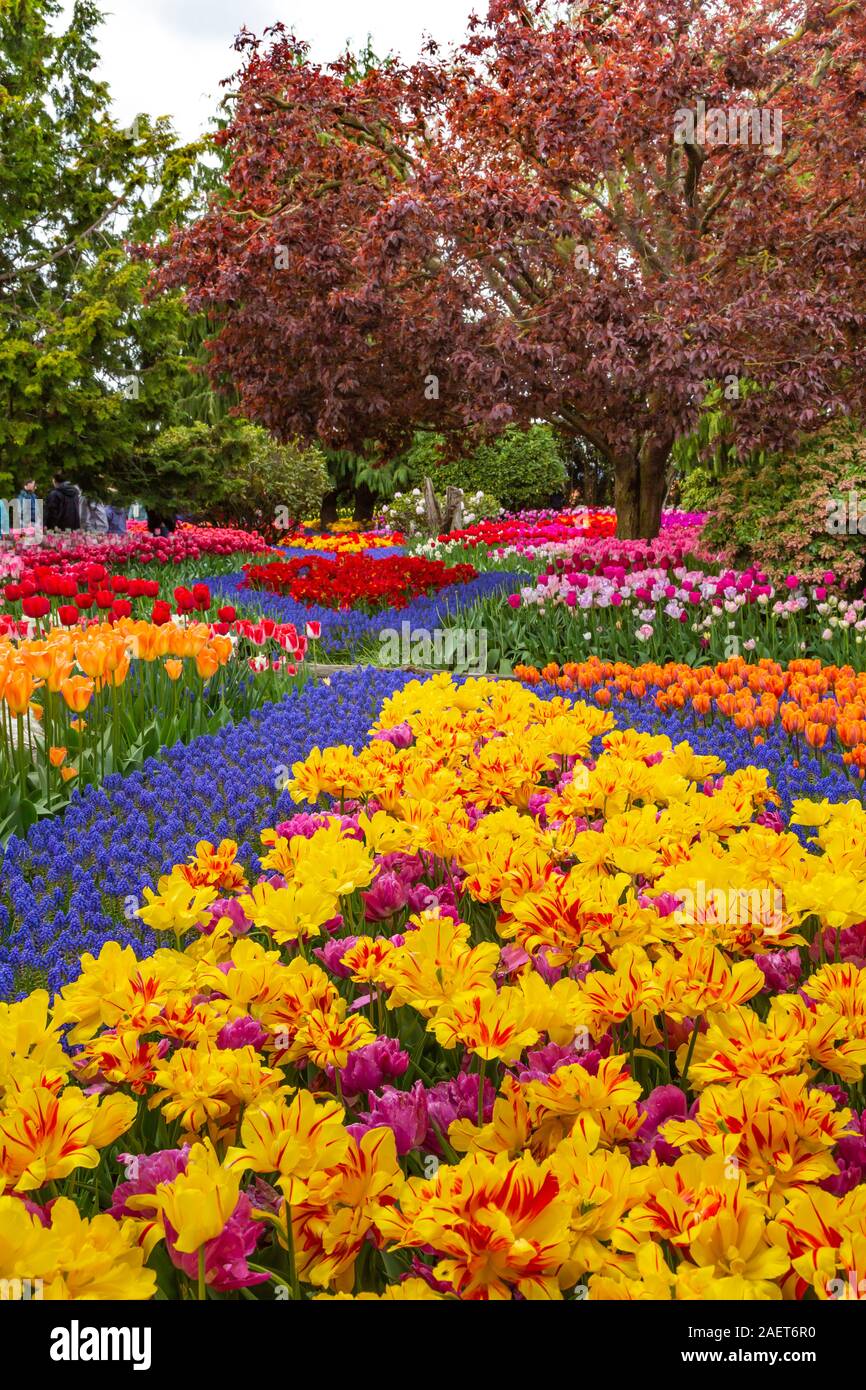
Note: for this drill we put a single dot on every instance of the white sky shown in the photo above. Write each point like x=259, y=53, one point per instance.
x=167, y=57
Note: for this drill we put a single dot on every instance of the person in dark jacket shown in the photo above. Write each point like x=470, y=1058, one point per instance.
x=161, y=523
x=28, y=504
x=63, y=506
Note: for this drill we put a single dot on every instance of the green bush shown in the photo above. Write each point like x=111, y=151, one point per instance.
x=521, y=468
x=790, y=514
x=698, y=491
x=234, y=473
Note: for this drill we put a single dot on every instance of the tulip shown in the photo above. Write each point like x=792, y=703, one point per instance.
x=18, y=691
x=36, y=607
x=77, y=692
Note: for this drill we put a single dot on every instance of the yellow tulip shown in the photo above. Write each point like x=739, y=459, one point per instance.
x=200, y=1201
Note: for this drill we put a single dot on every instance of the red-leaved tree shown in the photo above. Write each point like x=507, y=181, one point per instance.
x=585, y=214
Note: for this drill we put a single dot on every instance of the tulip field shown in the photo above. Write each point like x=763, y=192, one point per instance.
x=342, y=984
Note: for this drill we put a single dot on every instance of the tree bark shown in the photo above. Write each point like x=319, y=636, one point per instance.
x=432, y=514
x=453, y=517
x=329, y=509
x=639, y=490
x=365, y=503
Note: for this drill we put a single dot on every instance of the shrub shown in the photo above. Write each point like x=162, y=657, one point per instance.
x=521, y=468
x=698, y=491
x=780, y=512
x=233, y=472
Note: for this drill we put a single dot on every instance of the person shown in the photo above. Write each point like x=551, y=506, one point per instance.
x=117, y=519
x=94, y=517
x=161, y=523
x=28, y=506
x=63, y=506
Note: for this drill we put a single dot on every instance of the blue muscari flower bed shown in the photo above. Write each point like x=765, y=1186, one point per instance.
x=66, y=888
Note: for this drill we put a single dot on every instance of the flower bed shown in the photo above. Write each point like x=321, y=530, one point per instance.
x=357, y=634
x=489, y=993
x=344, y=542
x=676, y=614
x=187, y=543
x=79, y=703
x=356, y=581
x=801, y=714
x=547, y=533
x=69, y=885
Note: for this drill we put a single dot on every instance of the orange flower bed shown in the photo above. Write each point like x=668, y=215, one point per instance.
x=813, y=702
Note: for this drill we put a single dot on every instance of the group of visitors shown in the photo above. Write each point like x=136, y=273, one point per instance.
x=66, y=508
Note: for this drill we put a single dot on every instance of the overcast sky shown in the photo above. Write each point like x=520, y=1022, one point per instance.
x=166, y=57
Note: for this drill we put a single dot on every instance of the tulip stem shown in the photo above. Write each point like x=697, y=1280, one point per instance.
x=22, y=770
x=290, y=1255
x=202, y=1288
x=696, y=1028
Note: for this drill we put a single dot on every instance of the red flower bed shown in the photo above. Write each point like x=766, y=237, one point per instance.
x=356, y=581
x=141, y=548
x=83, y=591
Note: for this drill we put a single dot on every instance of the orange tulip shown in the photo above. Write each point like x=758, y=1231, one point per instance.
x=19, y=690
x=59, y=672
x=174, y=669
x=56, y=756
x=207, y=662
x=67, y=773
x=92, y=657
x=816, y=735
x=38, y=658
x=77, y=692
x=116, y=675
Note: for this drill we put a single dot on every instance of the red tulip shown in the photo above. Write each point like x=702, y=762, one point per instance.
x=36, y=607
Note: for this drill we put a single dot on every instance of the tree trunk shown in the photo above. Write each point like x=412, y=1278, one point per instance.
x=453, y=518
x=432, y=514
x=639, y=489
x=365, y=504
x=329, y=508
